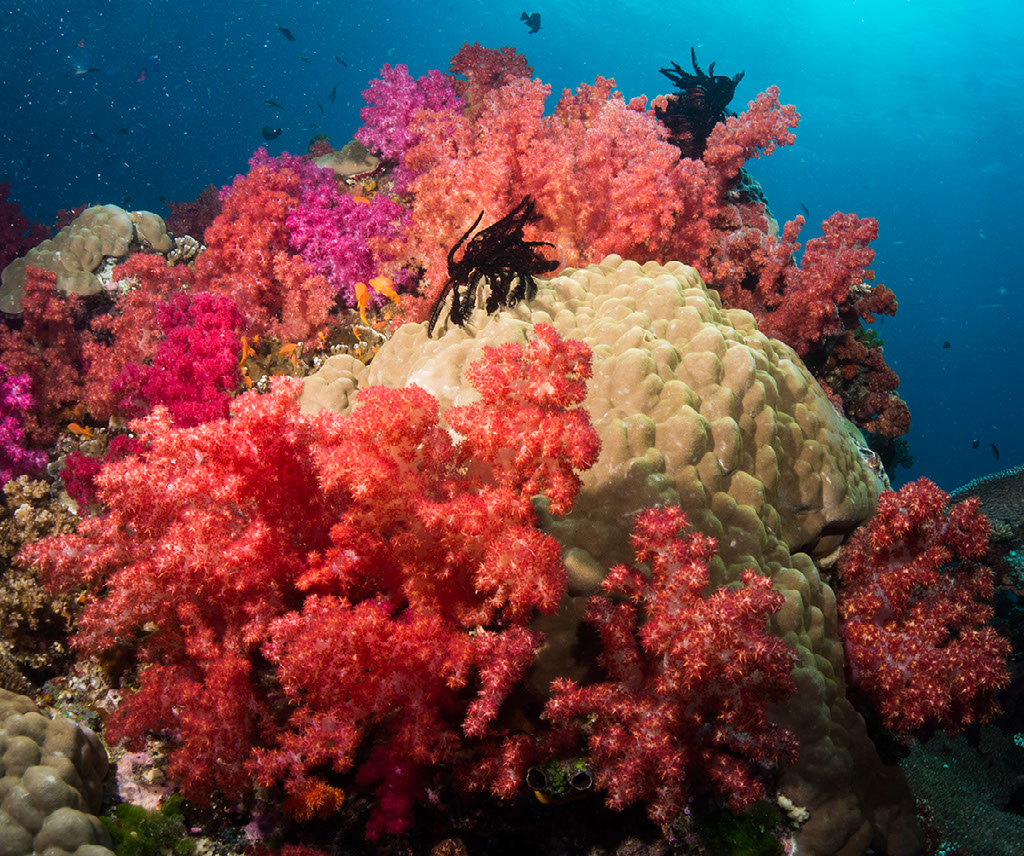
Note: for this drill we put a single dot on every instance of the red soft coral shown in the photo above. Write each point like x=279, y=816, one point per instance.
x=915, y=608
x=194, y=369
x=248, y=257
x=47, y=348
x=129, y=335
x=689, y=678
x=385, y=575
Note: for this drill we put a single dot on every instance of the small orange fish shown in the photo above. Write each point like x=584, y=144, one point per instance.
x=78, y=430
x=384, y=285
x=247, y=351
x=362, y=299
x=287, y=349
x=361, y=199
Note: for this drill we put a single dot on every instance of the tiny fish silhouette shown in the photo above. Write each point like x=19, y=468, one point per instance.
x=273, y=104
x=286, y=33
x=341, y=61
x=975, y=444
x=270, y=133
x=333, y=94
x=532, y=21
x=995, y=451
x=946, y=345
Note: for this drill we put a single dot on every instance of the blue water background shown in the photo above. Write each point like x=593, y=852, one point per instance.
x=911, y=113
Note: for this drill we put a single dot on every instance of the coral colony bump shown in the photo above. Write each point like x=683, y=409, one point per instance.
x=501, y=470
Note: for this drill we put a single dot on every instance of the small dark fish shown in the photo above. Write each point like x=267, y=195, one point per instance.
x=305, y=59
x=270, y=133
x=333, y=93
x=162, y=198
x=946, y=345
x=975, y=444
x=273, y=104
x=806, y=212
x=321, y=106
x=122, y=130
x=286, y=33
x=90, y=70
x=96, y=136
x=126, y=202
x=532, y=21
x=995, y=451
x=341, y=61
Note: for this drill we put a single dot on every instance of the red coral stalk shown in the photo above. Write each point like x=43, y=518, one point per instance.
x=47, y=348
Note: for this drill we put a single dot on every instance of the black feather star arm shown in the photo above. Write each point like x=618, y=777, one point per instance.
x=501, y=257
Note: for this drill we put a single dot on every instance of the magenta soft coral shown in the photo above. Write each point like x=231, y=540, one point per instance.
x=15, y=402
x=915, y=609
x=689, y=679
x=194, y=370
x=337, y=235
x=390, y=102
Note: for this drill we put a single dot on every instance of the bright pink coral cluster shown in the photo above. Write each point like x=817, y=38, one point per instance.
x=386, y=572
x=689, y=678
x=194, y=368
x=915, y=606
x=338, y=235
x=391, y=101
x=15, y=402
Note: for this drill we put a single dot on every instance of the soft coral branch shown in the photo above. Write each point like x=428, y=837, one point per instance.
x=689, y=677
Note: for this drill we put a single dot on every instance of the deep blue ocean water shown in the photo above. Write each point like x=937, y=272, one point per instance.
x=911, y=113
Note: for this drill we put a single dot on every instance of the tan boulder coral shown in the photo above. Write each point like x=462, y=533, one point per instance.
x=99, y=233
x=350, y=161
x=51, y=780
x=696, y=407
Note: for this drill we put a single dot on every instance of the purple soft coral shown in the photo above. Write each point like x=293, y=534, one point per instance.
x=390, y=102
x=332, y=232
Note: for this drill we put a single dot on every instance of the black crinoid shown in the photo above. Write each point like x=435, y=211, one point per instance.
x=701, y=103
x=498, y=256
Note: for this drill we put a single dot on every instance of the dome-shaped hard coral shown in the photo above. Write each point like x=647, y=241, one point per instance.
x=51, y=779
x=77, y=250
x=695, y=407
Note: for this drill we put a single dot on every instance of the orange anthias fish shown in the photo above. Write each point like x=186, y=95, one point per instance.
x=380, y=284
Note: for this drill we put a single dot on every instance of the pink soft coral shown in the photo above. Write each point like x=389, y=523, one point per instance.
x=15, y=402
x=248, y=256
